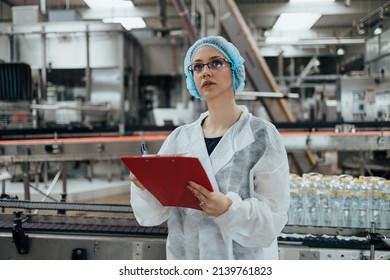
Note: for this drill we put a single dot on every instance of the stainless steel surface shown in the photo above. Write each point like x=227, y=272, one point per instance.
x=23, y=153
x=291, y=252
x=76, y=149
x=51, y=46
x=365, y=98
x=113, y=147
x=331, y=231
x=330, y=243
x=60, y=247
x=322, y=141
x=57, y=237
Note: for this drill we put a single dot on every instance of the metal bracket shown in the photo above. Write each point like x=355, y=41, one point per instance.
x=21, y=240
x=309, y=255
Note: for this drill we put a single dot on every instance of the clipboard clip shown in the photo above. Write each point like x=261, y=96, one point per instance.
x=144, y=150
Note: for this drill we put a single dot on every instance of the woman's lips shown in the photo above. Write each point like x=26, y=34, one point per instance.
x=207, y=84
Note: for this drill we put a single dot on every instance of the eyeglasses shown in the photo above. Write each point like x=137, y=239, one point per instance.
x=214, y=64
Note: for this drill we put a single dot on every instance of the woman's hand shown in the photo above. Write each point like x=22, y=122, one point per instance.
x=136, y=181
x=212, y=203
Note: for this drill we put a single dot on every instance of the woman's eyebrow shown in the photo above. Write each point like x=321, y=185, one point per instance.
x=210, y=58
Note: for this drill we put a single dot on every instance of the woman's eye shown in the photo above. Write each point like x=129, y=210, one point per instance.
x=216, y=63
x=197, y=67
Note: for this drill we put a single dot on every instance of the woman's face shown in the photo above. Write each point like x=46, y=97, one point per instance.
x=215, y=78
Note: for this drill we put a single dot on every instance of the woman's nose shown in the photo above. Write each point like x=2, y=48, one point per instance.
x=206, y=71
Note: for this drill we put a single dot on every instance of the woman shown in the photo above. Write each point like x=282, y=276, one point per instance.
x=244, y=158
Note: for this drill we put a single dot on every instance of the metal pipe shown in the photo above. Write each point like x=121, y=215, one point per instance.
x=281, y=67
x=88, y=66
x=41, y=192
x=43, y=6
x=44, y=66
x=163, y=13
x=218, y=18
x=3, y=193
x=122, y=120
x=52, y=185
x=3, y=187
x=203, y=25
x=64, y=177
x=11, y=45
x=183, y=13
x=372, y=246
x=26, y=180
x=193, y=12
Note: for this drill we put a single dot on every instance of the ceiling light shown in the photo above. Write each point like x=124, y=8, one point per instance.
x=378, y=30
x=340, y=51
x=332, y=41
x=109, y=4
x=296, y=21
x=267, y=33
x=284, y=40
x=310, y=1
x=127, y=22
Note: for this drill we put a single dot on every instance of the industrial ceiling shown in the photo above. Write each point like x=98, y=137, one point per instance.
x=344, y=23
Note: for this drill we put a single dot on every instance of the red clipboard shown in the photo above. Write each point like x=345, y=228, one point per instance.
x=166, y=177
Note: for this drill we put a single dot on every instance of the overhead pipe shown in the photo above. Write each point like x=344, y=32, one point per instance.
x=366, y=18
x=43, y=7
x=183, y=13
x=218, y=17
x=163, y=13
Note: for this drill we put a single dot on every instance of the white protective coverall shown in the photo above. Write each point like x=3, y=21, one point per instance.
x=250, y=166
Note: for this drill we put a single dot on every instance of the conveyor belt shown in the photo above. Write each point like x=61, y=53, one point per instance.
x=113, y=208
x=329, y=242
x=71, y=228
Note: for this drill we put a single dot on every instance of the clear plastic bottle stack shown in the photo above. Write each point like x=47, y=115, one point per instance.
x=385, y=207
x=339, y=201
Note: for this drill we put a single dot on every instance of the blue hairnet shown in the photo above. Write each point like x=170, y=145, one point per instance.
x=228, y=50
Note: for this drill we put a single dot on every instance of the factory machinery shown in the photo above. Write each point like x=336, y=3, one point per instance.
x=28, y=236
x=25, y=234
x=45, y=125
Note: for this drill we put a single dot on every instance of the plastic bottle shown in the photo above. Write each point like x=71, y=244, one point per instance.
x=325, y=202
x=377, y=198
x=385, y=207
x=346, y=218
x=335, y=200
x=311, y=185
x=342, y=201
x=363, y=205
x=296, y=203
x=355, y=202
